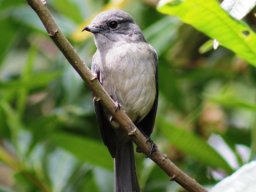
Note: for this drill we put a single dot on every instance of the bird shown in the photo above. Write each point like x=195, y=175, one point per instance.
x=126, y=66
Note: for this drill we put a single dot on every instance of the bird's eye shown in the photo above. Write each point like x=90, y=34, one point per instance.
x=113, y=24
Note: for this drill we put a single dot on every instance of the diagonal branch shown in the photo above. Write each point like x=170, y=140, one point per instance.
x=120, y=116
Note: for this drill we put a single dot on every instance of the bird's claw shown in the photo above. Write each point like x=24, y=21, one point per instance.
x=96, y=99
x=152, y=147
x=117, y=106
x=94, y=77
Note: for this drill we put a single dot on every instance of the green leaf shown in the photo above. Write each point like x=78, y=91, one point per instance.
x=12, y=121
x=235, y=136
x=209, y=18
x=20, y=137
x=64, y=168
x=84, y=149
x=162, y=33
x=234, y=103
x=23, y=15
x=27, y=70
x=171, y=91
x=8, y=36
x=90, y=184
x=233, y=95
x=5, y=189
x=192, y=145
x=70, y=9
x=39, y=80
x=104, y=179
x=6, y=158
x=10, y=4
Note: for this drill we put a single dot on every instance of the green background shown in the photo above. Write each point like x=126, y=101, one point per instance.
x=49, y=136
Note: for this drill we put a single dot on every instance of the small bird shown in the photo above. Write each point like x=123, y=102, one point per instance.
x=126, y=66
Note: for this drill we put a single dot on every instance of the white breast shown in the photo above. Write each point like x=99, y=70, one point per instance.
x=129, y=77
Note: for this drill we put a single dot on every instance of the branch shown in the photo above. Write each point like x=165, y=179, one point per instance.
x=120, y=116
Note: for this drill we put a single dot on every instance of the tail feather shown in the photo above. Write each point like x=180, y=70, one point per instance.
x=125, y=170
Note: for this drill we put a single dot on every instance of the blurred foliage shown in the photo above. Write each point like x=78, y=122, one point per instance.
x=49, y=137
x=233, y=34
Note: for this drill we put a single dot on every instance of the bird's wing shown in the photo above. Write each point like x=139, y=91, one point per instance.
x=146, y=125
x=107, y=132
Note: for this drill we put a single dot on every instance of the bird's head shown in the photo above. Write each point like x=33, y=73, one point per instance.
x=114, y=26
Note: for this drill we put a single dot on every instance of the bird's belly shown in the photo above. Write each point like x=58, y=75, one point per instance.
x=135, y=93
x=136, y=96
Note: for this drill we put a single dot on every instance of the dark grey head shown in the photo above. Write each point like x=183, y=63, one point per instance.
x=114, y=26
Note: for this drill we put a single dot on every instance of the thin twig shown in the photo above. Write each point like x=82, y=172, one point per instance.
x=119, y=115
x=14, y=163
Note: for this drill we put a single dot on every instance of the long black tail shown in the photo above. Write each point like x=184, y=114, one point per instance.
x=125, y=170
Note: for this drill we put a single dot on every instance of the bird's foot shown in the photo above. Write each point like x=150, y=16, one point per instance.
x=96, y=99
x=117, y=106
x=152, y=146
x=94, y=77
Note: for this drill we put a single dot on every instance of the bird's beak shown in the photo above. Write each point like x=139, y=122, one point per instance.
x=91, y=29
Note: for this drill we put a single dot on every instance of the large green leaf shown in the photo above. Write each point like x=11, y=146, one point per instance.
x=83, y=148
x=209, y=18
x=192, y=145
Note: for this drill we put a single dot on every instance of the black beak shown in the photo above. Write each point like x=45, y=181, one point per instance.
x=86, y=29
x=91, y=29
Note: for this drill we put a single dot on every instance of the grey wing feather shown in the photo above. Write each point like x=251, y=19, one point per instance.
x=107, y=132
